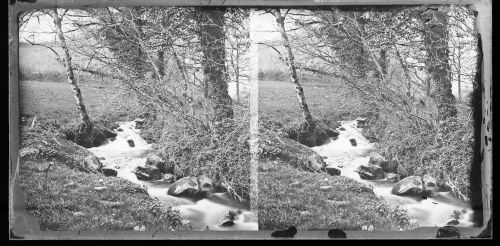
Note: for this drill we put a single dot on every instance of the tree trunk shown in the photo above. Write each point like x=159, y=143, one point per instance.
x=237, y=74
x=214, y=55
x=292, y=68
x=69, y=70
x=160, y=63
x=436, y=42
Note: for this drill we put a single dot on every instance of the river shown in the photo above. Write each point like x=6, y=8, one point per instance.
x=437, y=210
x=200, y=213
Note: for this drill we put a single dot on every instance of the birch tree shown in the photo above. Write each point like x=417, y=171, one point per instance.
x=292, y=69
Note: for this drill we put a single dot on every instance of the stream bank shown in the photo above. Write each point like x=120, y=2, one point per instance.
x=438, y=210
x=201, y=213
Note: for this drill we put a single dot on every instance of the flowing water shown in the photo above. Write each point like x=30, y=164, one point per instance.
x=437, y=210
x=201, y=213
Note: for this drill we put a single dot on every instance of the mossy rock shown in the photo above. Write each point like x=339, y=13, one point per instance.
x=290, y=152
x=64, y=151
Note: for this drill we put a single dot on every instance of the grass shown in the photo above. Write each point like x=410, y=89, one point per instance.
x=105, y=102
x=278, y=101
x=62, y=199
x=288, y=196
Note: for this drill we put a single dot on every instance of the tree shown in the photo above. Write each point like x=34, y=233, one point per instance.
x=436, y=41
x=280, y=20
x=69, y=70
x=211, y=24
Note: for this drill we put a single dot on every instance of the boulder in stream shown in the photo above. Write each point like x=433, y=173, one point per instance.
x=131, y=143
x=332, y=133
x=187, y=186
x=370, y=172
x=333, y=171
x=205, y=183
x=353, y=142
x=109, y=172
x=227, y=223
x=410, y=186
x=108, y=132
x=377, y=159
x=430, y=183
x=160, y=163
x=147, y=173
x=391, y=177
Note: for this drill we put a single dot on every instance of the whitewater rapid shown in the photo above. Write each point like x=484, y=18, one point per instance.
x=202, y=214
x=437, y=210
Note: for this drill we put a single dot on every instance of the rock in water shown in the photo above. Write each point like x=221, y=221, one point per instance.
x=147, y=173
x=410, y=186
x=353, y=142
x=115, y=126
x=333, y=171
x=377, y=159
x=205, y=183
x=131, y=143
x=161, y=164
x=391, y=176
x=187, y=186
x=168, y=178
x=231, y=215
x=109, y=172
x=430, y=183
x=108, y=132
x=370, y=172
x=453, y=223
x=332, y=133
x=227, y=223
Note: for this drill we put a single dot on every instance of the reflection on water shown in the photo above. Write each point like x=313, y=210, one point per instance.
x=202, y=213
x=438, y=210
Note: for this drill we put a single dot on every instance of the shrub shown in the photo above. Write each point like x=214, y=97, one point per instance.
x=444, y=152
x=222, y=153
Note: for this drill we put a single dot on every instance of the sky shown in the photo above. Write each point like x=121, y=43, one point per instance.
x=41, y=29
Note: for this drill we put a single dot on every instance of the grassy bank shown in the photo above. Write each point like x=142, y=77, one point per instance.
x=63, y=199
x=318, y=201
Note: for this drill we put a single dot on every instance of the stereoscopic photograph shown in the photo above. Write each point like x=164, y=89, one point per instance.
x=259, y=120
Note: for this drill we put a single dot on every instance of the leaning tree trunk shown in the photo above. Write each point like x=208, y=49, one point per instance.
x=436, y=41
x=292, y=68
x=69, y=71
x=214, y=55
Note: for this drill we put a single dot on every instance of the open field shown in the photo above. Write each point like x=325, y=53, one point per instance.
x=278, y=101
x=54, y=100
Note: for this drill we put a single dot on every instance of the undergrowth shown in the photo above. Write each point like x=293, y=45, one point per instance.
x=444, y=152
